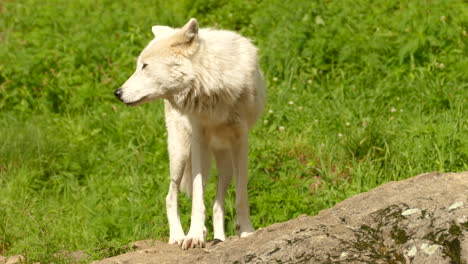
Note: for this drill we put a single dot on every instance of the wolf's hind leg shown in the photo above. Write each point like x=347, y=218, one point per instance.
x=240, y=160
x=224, y=164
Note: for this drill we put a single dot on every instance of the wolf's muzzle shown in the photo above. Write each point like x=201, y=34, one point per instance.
x=118, y=93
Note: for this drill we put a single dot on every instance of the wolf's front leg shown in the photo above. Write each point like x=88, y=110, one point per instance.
x=176, y=233
x=201, y=158
x=178, y=163
x=179, y=140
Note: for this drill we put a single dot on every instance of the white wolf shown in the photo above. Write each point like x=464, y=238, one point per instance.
x=213, y=91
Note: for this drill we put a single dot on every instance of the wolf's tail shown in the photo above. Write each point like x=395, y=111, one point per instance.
x=185, y=185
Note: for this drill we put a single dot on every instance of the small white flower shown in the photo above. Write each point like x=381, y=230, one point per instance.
x=291, y=102
x=300, y=108
x=316, y=121
x=347, y=124
x=281, y=128
x=275, y=79
x=393, y=109
x=340, y=135
x=401, y=110
x=265, y=121
x=309, y=81
x=270, y=111
x=319, y=20
x=439, y=65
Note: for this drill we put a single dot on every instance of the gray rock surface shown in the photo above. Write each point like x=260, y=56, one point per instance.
x=423, y=219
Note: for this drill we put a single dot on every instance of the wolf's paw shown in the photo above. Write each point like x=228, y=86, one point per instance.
x=245, y=231
x=220, y=237
x=194, y=239
x=246, y=234
x=177, y=239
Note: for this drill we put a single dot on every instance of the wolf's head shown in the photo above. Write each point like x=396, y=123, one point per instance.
x=164, y=67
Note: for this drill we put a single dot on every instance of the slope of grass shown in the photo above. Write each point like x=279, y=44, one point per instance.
x=359, y=93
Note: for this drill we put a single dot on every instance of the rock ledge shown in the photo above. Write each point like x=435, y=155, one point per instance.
x=423, y=219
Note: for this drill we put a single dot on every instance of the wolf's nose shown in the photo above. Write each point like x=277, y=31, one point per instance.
x=118, y=93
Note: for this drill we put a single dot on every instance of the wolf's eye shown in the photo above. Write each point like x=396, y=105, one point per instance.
x=144, y=66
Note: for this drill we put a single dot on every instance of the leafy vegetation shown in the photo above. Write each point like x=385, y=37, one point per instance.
x=359, y=93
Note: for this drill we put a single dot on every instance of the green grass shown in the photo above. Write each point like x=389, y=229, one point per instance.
x=359, y=93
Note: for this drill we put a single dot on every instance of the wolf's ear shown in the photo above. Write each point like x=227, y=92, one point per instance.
x=159, y=31
x=190, y=30
x=185, y=41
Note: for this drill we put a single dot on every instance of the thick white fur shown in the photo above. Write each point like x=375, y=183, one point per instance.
x=214, y=93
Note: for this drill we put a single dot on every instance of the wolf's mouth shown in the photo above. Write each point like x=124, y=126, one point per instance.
x=142, y=100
